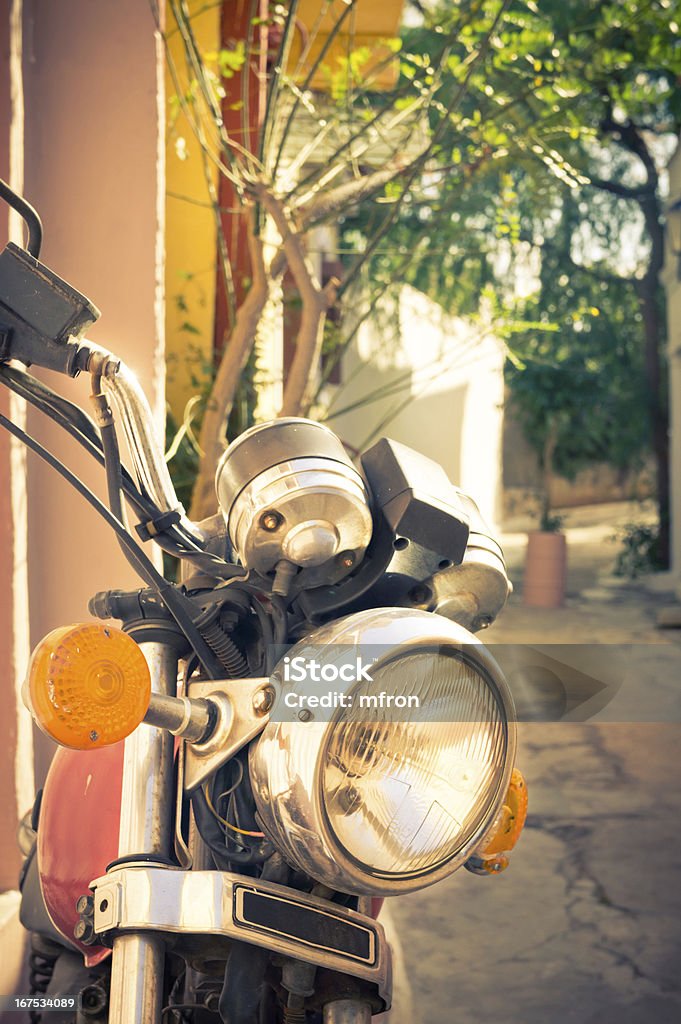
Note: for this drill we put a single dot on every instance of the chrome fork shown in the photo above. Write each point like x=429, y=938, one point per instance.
x=347, y=1011
x=146, y=828
x=147, y=803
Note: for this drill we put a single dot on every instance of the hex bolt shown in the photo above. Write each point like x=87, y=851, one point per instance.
x=420, y=594
x=263, y=699
x=85, y=905
x=93, y=1000
x=271, y=520
x=84, y=931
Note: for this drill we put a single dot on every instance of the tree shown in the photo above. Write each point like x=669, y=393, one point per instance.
x=504, y=112
x=579, y=387
x=409, y=123
x=619, y=65
x=577, y=109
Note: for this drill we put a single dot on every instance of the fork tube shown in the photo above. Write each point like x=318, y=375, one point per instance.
x=146, y=828
x=347, y=1011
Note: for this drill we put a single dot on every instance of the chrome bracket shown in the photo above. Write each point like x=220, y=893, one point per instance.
x=243, y=707
x=142, y=898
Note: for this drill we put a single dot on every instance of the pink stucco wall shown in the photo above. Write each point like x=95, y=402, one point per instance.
x=92, y=74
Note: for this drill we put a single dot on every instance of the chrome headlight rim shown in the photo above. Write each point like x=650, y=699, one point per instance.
x=323, y=856
x=389, y=884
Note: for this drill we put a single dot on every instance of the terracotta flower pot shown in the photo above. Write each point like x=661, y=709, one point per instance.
x=545, y=570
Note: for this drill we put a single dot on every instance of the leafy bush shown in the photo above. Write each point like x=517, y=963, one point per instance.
x=640, y=552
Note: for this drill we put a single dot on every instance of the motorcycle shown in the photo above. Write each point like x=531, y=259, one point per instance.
x=256, y=755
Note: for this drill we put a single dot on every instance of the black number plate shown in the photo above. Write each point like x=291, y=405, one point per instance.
x=320, y=929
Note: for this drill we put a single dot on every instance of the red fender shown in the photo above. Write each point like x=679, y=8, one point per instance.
x=78, y=832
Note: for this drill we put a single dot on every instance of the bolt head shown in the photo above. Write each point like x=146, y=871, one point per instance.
x=85, y=905
x=271, y=521
x=346, y=559
x=263, y=699
x=84, y=932
x=305, y=715
x=93, y=1000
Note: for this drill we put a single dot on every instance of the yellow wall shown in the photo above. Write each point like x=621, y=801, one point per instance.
x=190, y=232
x=368, y=25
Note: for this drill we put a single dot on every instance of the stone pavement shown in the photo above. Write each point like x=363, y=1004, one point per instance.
x=585, y=925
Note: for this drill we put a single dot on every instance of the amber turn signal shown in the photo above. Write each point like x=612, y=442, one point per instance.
x=492, y=857
x=87, y=686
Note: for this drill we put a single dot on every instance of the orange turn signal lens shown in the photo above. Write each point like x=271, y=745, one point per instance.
x=87, y=685
x=507, y=828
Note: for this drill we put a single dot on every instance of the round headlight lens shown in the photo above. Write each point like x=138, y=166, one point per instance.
x=384, y=781
x=402, y=797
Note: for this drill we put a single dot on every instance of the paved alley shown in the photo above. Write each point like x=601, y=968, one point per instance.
x=585, y=925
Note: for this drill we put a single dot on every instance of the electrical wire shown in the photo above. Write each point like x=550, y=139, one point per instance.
x=102, y=444
x=180, y=1008
x=224, y=821
x=175, y=541
x=75, y=422
x=177, y=605
x=213, y=837
x=280, y=619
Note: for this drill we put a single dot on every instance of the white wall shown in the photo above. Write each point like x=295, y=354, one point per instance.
x=444, y=397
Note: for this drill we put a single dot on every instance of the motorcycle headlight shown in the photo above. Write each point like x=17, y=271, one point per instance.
x=392, y=781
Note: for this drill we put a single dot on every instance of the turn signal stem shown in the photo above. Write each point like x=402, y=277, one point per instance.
x=89, y=686
x=191, y=718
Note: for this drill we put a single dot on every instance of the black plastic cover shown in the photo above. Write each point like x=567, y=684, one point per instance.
x=41, y=315
x=417, y=498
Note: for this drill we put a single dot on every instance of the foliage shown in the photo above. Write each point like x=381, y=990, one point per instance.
x=551, y=523
x=516, y=129
x=584, y=382
x=640, y=551
x=552, y=188
x=285, y=191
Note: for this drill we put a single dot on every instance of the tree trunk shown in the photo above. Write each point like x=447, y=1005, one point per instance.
x=628, y=135
x=659, y=428
x=221, y=399
x=299, y=385
x=648, y=290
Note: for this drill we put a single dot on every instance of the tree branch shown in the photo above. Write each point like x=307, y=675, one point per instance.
x=628, y=135
x=351, y=192
x=615, y=188
x=234, y=358
x=298, y=392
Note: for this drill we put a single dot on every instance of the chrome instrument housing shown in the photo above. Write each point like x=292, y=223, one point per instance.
x=288, y=491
